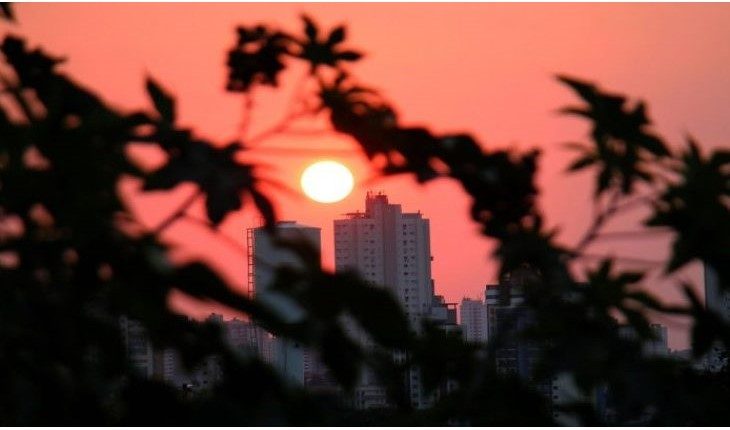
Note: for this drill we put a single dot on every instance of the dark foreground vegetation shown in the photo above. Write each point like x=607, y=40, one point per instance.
x=73, y=258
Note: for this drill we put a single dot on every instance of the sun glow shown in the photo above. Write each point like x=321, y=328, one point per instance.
x=327, y=181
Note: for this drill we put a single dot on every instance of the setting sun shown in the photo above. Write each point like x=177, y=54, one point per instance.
x=327, y=181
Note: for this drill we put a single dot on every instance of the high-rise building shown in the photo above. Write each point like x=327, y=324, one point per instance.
x=717, y=299
x=264, y=258
x=392, y=249
x=389, y=248
x=507, y=317
x=473, y=319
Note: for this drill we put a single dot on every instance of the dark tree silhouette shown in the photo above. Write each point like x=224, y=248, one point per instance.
x=73, y=258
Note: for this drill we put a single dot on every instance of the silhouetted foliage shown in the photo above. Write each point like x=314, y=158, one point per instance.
x=697, y=209
x=6, y=12
x=623, y=146
x=256, y=59
x=78, y=259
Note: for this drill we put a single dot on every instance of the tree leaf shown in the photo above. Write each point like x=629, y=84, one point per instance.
x=336, y=36
x=164, y=103
x=6, y=11
x=310, y=28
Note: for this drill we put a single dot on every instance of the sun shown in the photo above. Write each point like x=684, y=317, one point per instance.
x=327, y=181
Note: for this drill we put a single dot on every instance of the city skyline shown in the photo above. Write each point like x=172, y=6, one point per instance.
x=514, y=87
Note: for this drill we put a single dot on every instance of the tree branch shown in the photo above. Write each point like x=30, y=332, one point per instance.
x=632, y=234
x=18, y=97
x=218, y=234
x=178, y=213
x=635, y=260
x=294, y=111
x=614, y=207
x=247, y=114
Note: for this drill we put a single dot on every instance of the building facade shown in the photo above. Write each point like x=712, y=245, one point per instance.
x=473, y=320
x=140, y=353
x=717, y=299
x=389, y=248
x=165, y=364
x=507, y=317
x=392, y=249
x=264, y=258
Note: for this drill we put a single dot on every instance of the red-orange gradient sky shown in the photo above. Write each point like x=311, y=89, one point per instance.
x=486, y=69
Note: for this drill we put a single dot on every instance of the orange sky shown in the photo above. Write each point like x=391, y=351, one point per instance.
x=482, y=68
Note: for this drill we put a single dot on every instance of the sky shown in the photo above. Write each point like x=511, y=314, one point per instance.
x=485, y=69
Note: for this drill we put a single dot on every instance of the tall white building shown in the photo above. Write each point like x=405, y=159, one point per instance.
x=264, y=258
x=389, y=248
x=392, y=249
x=473, y=319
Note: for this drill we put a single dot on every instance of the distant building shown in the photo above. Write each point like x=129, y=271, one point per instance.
x=138, y=346
x=289, y=357
x=165, y=364
x=202, y=378
x=389, y=248
x=443, y=314
x=265, y=257
x=249, y=339
x=507, y=317
x=473, y=319
x=317, y=377
x=717, y=299
x=660, y=345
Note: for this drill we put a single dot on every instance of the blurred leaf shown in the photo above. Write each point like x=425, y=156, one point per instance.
x=336, y=36
x=257, y=58
x=341, y=355
x=376, y=310
x=697, y=208
x=310, y=28
x=6, y=11
x=164, y=103
x=623, y=147
x=324, y=52
x=264, y=206
x=220, y=177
